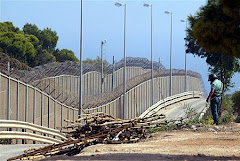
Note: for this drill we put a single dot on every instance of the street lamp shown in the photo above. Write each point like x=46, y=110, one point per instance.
x=102, y=43
x=185, y=87
x=152, y=90
x=124, y=58
x=80, y=74
x=170, y=85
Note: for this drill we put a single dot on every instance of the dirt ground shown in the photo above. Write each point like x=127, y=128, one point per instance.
x=196, y=143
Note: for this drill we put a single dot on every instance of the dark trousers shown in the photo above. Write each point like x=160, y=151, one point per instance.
x=215, y=104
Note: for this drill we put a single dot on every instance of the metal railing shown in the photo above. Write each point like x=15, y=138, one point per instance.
x=169, y=101
x=16, y=130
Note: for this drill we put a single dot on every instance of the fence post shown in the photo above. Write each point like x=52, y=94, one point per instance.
x=49, y=111
x=8, y=66
x=67, y=85
x=58, y=85
x=54, y=87
x=17, y=108
x=55, y=115
x=113, y=74
x=74, y=87
x=34, y=105
x=49, y=83
x=26, y=104
x=61, y=115
x=62, y=87
x=41, y=109
x=8, y=100
x=73, y=114
x=68, y=115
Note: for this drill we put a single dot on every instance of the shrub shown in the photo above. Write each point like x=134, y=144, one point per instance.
x=236, y=101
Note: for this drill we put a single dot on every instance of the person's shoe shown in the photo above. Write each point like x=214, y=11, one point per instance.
x=215, y=123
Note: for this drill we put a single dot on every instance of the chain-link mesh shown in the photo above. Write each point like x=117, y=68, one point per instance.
x=57, y=79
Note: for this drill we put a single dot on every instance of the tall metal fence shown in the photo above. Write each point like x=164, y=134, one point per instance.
x=20, y=101
x=92, y=83
x=61, y=80
x=49, y=94
x=139, y=98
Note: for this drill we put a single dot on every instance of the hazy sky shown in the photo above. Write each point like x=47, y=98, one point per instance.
x=103, y=20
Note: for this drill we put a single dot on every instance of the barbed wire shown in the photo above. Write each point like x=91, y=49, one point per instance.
x=31, y=75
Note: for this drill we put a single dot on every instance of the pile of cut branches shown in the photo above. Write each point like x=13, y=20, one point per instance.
x=93, y=129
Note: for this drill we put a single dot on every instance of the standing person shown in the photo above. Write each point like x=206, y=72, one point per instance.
x=215, y=96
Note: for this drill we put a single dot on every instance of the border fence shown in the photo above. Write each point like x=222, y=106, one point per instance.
x=47, y=98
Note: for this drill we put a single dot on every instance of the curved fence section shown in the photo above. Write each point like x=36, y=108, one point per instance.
x=22, y=102
x=92, y=82
x=169, y=101
x=138, y=98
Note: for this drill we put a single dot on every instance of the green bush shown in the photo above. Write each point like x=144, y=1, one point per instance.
x=227, y=112
x=236, y=101
x=168, y=127
x=226, y=118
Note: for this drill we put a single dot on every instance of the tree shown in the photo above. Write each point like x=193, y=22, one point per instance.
x=17, y=45
x=31, y=29
x=32, y=46
x=8, y=27
x=220, y=64
x=236, y=101
x=216, y=27
x=44, y=57
x=64, y=55
x=48, y=38
x=211, y=35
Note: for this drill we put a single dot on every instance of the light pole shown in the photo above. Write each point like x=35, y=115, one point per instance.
x=124, y=58
x=170, y=85
x=80, y=76
x=152, y=90
x=185, y=57
x=102, y=43
x=185, y=87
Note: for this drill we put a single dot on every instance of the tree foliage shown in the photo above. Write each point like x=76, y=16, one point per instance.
x=220, y=64
x=32, y=45
x=16, y=44
x=216, y=27
x=204, y=35
x=31, y=29
x=48, y=38
x=236, y=101
x=65, y=54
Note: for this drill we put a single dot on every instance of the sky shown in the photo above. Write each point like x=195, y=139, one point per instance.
x=102, y=20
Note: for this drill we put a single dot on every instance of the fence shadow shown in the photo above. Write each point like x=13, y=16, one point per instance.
x=146, y=156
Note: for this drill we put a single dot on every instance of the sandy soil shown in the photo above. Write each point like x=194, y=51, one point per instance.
x=205, y=143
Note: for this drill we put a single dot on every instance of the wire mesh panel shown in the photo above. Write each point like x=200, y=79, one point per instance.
x=57, y=90
x=3, y=97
